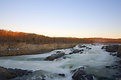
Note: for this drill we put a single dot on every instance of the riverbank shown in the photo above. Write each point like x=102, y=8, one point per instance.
x=14, y=49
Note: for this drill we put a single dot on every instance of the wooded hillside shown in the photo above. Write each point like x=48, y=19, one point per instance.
x=32, y=38
x=10, y=36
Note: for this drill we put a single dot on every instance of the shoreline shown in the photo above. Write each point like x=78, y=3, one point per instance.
x=31, y=49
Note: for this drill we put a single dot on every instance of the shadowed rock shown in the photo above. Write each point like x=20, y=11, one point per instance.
x=88, y=48
x=81, y=75
x=55, y=56
x=113, y=48
x=119, y=51
x=104, y=47
x=6, y=74
x=76, y=51
x=82, y=46
x=63, y=75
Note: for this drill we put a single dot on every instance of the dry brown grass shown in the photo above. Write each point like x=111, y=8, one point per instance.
x=30, y=48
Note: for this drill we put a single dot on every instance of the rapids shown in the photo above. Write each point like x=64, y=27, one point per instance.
x=93, y=60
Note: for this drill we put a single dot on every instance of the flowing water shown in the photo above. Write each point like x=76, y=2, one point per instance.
x=93, y=60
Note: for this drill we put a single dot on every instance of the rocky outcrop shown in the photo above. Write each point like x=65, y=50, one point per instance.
x=119, y=51
x=55, y=56
x=81, y=75
x=88, y=48
x=63, y=75
x=76, y=51
x=113, y=48
x=6, y=74
x=82, y=46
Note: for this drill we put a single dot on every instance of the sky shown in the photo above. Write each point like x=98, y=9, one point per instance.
x=63, y=18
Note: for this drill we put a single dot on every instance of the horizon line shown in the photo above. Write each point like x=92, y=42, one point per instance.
x=62, y=36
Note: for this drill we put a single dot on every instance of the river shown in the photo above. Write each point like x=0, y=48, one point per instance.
x=94, y=61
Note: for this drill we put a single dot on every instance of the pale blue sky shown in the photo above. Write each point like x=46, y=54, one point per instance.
x=63, y=18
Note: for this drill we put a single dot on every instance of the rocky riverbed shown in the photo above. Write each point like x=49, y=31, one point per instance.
x=82, y=62
x=9, y=73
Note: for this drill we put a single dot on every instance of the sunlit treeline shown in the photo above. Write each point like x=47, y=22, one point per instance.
x=10, y=36
x=106, y=40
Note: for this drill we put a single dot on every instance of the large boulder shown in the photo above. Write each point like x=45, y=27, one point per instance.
x=6, y=74
x=78, y=74
x=82, y=46
x=112, y=48
x=55, y=56
x=76, y=51
x=119, y=51
x=81, y=75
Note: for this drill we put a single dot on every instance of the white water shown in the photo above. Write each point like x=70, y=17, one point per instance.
x=94, y=61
